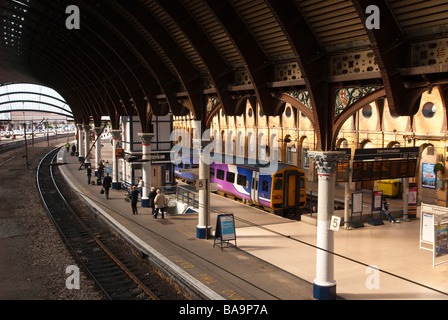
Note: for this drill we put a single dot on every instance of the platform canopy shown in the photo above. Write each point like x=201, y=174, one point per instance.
x=146, y=57
x=32, y=98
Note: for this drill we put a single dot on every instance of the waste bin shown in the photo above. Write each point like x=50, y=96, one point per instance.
x=390, y=188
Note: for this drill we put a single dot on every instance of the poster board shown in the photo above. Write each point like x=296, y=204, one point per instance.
x=225, y=231
x=357, y=203
x=377, y=199
x=412, y=201
x=434, y=232
x=428, y=176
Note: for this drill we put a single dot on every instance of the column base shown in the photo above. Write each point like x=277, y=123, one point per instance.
x=324, y=292
x=203, y=232
x=116, y=185
x=145, y=203
x=81, y=159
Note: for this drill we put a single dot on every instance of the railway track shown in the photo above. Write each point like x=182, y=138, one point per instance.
x=112, y=276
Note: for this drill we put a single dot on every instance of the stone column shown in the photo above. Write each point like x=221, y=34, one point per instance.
x=203, y=230
x=116, y=134
x=324, y=284
x=98, y=149
x=146, y=168
x=80, y=143
x=87, y=145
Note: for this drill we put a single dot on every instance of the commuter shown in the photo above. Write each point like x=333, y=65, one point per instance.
x=140, y=186
x=73, y=149
x=385, y=211
x=100, y=169
x=159, y=203
x=107, y=184
x=67, y=146
x=89, y=174
x=134, y=199
x=151, y=196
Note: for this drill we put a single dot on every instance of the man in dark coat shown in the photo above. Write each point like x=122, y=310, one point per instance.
x=107, y=184
x=134, y=199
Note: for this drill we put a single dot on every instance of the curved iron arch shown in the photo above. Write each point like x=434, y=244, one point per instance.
x=354, y=107
x=35, y=110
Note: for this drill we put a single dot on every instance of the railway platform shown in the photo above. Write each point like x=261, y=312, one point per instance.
x=275, y=257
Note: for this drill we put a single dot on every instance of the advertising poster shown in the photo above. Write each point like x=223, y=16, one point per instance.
x=428, y=176
x=377, y=199
x=441, y=240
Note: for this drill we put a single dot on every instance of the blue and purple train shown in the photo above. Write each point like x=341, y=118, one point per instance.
x=279, y=188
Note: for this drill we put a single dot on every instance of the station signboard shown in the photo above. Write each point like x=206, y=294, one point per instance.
x=383, y=164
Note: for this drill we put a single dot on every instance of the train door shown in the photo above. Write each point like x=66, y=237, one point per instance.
x=292, y=192
x=254, y=188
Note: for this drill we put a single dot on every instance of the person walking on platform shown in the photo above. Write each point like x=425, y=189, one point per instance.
x=385, y=211
x=107, y=183
x=159, y=203
x=151, y=196
x=134, y=199
x=89, y=174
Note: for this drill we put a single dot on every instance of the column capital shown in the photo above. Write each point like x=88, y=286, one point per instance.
x=97, y=130
x=326, y=161
x=116, y=134
x=87, y=127
x=146, y=137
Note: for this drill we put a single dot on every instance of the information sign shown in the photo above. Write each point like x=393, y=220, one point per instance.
x=335, y=223
x=225, y=230
x=357, y=171
x=434, y=232
x=343, y=172
x=383, y=164
x=119, y=153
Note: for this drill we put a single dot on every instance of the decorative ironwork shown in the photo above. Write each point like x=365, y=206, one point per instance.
x=211, y=104
x=347, y=96
x=303, y=97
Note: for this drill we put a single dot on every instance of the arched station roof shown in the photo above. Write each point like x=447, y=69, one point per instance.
x=31, y=97
x=145, y=57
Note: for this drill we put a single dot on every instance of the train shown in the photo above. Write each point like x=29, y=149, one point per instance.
x=279, y=188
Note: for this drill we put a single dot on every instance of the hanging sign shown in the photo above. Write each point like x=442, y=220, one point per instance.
x=119, y=153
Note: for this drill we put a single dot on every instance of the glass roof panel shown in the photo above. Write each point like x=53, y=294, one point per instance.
x=24, y=96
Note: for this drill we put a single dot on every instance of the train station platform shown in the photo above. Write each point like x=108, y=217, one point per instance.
x=275, y=257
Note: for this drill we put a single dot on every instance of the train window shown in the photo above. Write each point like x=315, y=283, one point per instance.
x=220, y=174
x=241, y=180
x=230, y=177
x=278, y=184
x=265, y=186
x=212, y=173
x=302, y=183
